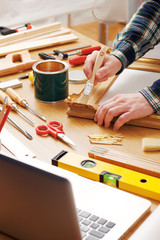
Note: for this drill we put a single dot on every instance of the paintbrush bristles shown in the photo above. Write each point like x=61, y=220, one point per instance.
x=98, y=62
x=83, y=99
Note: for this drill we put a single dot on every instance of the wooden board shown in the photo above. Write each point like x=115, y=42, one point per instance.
x=133, y=162
x=36, y=37
x=77, y=107
x=30, y=33
x=146, y=64
x=32, y=45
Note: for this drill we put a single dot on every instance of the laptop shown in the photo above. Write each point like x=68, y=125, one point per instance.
x=42, y=202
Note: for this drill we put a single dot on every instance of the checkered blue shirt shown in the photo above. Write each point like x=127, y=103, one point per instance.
x=141, y=34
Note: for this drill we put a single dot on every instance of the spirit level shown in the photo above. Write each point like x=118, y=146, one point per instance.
x=115, y=176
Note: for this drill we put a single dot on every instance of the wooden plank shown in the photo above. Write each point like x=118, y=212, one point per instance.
x=58, y=32
x=48, y=42
x=42, y=35
x=30, y=32
x=152, y=65
x=133, y=162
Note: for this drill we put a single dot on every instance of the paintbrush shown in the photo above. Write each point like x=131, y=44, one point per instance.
x=90, y=83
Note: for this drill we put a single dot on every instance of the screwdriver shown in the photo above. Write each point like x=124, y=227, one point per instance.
x=17, y=126
x=14, y=106
x=18, y=99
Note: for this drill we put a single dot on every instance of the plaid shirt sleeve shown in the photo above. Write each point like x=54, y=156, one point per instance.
x=152, y=94
x=140, y=35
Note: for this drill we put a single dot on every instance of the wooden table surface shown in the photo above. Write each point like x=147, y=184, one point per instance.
x=77, y=129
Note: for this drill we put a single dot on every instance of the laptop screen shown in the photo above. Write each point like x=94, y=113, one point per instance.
x=35, y=204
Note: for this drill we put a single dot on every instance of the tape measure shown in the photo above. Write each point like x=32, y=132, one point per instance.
x=115, y=176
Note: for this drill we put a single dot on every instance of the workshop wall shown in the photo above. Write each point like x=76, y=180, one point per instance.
x=15, y=12
x=35, y=11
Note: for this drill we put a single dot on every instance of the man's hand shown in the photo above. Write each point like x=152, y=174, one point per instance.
x=126, y=107
x=111, y=65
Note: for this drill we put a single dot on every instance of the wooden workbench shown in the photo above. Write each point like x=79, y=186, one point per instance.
x=76, y=129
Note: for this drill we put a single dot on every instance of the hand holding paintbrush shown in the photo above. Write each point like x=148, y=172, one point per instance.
x=90, y=83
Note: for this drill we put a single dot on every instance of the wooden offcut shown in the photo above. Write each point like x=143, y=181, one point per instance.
x=16, y=62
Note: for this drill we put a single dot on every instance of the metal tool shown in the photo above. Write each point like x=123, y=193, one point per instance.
x=14, y=107
x=50, y=55
x=54, y=128
x=18, y=99
x=81, y=59
x=110, y=174
x=99, y=60
x=18, y=126
x=46, y=56
x=24, y=76
x=84, y=51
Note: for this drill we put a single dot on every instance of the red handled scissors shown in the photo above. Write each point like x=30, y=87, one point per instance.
x=54, y=128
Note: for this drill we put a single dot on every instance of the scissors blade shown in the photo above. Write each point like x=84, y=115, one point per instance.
x=65, y=139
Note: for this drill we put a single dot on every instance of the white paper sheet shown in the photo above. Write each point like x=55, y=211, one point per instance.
x=153, y=53
x=130, y=81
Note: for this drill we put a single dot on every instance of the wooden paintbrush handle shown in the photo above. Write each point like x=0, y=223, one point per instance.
x=98, y=63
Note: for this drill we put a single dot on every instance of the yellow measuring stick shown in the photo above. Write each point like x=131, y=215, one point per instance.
x=115, y=176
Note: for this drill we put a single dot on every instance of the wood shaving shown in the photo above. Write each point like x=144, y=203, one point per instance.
x=106, y=139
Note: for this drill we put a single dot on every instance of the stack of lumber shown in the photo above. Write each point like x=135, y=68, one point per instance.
x=36, y=38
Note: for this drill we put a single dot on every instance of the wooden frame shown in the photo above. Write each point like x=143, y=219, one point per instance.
x=78, y=109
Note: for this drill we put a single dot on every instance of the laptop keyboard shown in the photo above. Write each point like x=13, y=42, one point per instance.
x=93, y=227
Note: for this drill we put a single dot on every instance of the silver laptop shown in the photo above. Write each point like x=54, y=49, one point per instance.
x=39, y=201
